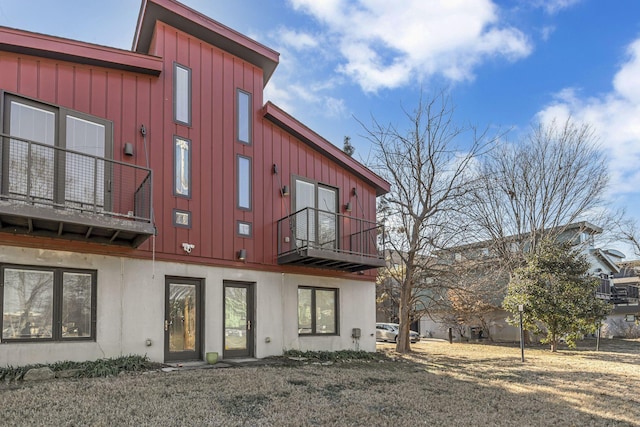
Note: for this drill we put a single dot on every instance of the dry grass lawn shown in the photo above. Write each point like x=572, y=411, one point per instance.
x=439, y=384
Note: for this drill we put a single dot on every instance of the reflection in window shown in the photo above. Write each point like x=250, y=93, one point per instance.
x=182, y=94
x=182, y=167
x=84, y=180
x=76, y=305
x=244, y=117
x=317, y=311
x=47, y=303
x=244, y=182
x=35, y=124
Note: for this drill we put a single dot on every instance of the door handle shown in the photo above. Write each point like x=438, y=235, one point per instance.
x=167, y=323
x=248, y=325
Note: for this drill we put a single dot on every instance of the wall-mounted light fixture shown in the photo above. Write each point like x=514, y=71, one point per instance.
x=128, y=149
x=347, y=207
x=242, y=254
x=285, y=191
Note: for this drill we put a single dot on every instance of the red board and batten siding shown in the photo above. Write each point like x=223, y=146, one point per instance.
x=130, y=99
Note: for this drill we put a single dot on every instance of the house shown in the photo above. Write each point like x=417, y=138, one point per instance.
x=152, y=203
x=489, y=316
x=622, y=290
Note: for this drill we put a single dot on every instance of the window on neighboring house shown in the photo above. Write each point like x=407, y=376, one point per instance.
x=182, y=167
x=40, y=168
x=181, y=94
x=244, y=182
x=244, y=116
x=48, y=304
x=317, y=311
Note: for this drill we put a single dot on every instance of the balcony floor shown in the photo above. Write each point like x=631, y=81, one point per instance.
x=22, y=218
x=330, y=260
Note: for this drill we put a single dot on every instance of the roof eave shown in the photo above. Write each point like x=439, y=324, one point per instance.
x=198, y=25
x=282, y=119
x=46, y=46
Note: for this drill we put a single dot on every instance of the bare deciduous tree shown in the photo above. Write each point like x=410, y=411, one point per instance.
x=429, y=178
x=556, y=176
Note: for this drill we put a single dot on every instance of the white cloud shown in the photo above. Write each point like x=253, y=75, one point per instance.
x=382, y=45
x=297, y=40
x=554, y=6
x=614, y=116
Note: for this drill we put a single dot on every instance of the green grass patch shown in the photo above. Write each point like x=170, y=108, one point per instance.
x=336, y=356
x=88, y=369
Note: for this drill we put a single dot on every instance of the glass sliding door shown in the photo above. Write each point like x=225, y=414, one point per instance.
x=316, y=227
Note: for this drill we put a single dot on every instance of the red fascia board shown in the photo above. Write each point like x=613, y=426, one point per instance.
x=36, y=44
x=204, y=28
x=279, y=117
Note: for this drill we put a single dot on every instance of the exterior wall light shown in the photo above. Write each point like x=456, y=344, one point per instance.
x=347, y=207
x=285, y=191
x=242, y=254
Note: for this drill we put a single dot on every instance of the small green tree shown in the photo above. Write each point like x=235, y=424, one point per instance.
x=557, y=294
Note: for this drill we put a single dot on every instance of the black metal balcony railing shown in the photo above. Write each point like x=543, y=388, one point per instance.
x=617, y=294
x=44, y=189
x=316, y=238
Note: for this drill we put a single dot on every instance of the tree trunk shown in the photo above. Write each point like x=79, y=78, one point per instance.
x=403, y=344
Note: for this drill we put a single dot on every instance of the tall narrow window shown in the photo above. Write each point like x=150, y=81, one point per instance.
x=182, y=94
x=244, y=117
x=182, y=167
x=244, y=182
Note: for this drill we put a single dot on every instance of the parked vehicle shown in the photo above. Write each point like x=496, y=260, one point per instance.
x=389, y=332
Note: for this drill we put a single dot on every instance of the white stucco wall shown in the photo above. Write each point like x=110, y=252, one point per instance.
x=130, y=308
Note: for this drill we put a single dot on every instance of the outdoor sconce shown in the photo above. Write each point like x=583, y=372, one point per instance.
x=128, y=149
x=347, y=207
x=285, y=191
x=242, y=254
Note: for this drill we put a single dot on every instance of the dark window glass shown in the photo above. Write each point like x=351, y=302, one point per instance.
x=317, y=311
x=48, y=304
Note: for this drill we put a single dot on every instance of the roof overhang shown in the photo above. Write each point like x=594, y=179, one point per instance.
x=282, y=119
x=45, y=46
x=198, y=25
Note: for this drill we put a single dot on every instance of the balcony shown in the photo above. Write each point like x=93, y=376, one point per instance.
x=53, y=192
x=617, y=294
x=321, y=239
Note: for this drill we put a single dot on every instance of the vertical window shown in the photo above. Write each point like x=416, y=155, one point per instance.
x=244, y=116
x=244, y=182
x=317, y=311
x=48, y=304
x=182, y=167
x=182, y=94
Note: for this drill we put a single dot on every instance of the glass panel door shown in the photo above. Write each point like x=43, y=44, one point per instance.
x=327, y=219
x=305, y=221
x=31, y=167
x=238, y=320
x=84, y=178
x=182, y=319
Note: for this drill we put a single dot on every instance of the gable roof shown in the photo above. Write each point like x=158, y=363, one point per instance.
x=285, y=121
x=198, y=25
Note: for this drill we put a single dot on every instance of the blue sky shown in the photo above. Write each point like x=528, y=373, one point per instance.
x=506, y=63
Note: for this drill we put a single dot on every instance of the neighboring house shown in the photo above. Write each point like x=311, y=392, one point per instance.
x=603, y=262
x=151, y=203
x=622, y=289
